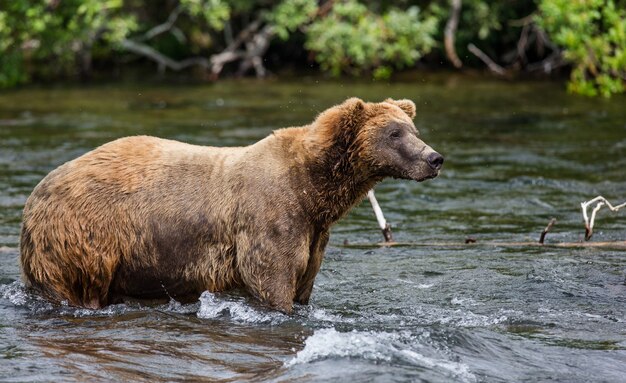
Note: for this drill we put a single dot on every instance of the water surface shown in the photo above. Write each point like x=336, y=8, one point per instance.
x=517, y=154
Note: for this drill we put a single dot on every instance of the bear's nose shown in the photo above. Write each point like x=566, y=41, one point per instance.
x=435, y=160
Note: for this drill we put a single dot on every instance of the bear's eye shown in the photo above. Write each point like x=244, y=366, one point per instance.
x=396, y=133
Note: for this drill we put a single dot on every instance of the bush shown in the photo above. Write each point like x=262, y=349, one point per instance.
x=592, y=34
x=51, y=38
x=43, y=39
x=352, y=39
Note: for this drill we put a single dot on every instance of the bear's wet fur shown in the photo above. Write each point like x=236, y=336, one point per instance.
x=146, y=218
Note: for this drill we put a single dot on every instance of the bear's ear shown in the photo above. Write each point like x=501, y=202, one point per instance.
x=407, y=106
x=341, y=122
x=353, y=110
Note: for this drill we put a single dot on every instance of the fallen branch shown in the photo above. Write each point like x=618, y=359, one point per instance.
x=546, y=230
x=450, y=32
x=555, y=60
x=617, y=245
x=497, y=69
x=161, y=59
x=601, y=201
x=382, y=223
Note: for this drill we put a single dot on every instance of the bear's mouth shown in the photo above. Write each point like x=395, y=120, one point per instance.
x=417, y=175
x=426, y=177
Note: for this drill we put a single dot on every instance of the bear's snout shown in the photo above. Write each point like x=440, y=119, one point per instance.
x=435, y=160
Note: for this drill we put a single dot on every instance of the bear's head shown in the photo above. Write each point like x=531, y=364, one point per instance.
x=381, y=139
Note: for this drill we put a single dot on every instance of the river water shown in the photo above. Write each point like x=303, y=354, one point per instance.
x=517, y=155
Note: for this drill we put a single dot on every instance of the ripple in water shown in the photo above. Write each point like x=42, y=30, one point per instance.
x=377, y=346
x=17, y=294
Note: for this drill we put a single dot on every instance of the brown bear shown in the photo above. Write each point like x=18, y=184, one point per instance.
x=147, y=218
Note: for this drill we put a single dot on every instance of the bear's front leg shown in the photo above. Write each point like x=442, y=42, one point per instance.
x=305, y=284
x=269, y=269
x=278, y=292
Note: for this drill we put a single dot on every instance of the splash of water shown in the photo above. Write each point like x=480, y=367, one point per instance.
x=376, y=346
x=214, y=307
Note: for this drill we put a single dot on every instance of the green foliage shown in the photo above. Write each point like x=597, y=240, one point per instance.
x=289, y=15
x=44, y=38
x=11, y=71
x=593, y=36
x=479, y=18
x=352, y=39
x=213, y=12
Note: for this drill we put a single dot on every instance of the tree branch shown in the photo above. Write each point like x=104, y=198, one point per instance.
x=382, y=223
x=522, y=42
x=231, y=52
x=497, y=69
x=450, y=32
x=162, y=28
x=526, y=20
x=255, y=49
x=161, y=59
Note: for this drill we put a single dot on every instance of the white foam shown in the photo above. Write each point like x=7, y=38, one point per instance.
x=174, y=306
x=329, y=342
x=463, y=301
x=107, y=311
x=213, y=307
x=418, y=285
x=459, y=317
x=17, y=294
x=377, y=346
x=14, y=293
x=464, y=318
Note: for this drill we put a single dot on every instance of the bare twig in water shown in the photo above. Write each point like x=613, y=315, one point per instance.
x=382, y=223
x=619, y=245
x=495, y=68
x=546, y=230
x=450, y=32
x=470, y=240
x=600, y=202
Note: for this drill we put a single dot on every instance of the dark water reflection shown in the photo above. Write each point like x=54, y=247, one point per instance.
x=516, y=156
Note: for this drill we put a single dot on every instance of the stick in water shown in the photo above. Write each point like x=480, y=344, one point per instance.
x=601, y=201
x=546, y=230
x=382, y=223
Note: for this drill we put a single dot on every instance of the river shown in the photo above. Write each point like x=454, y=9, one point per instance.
x=517, y=154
